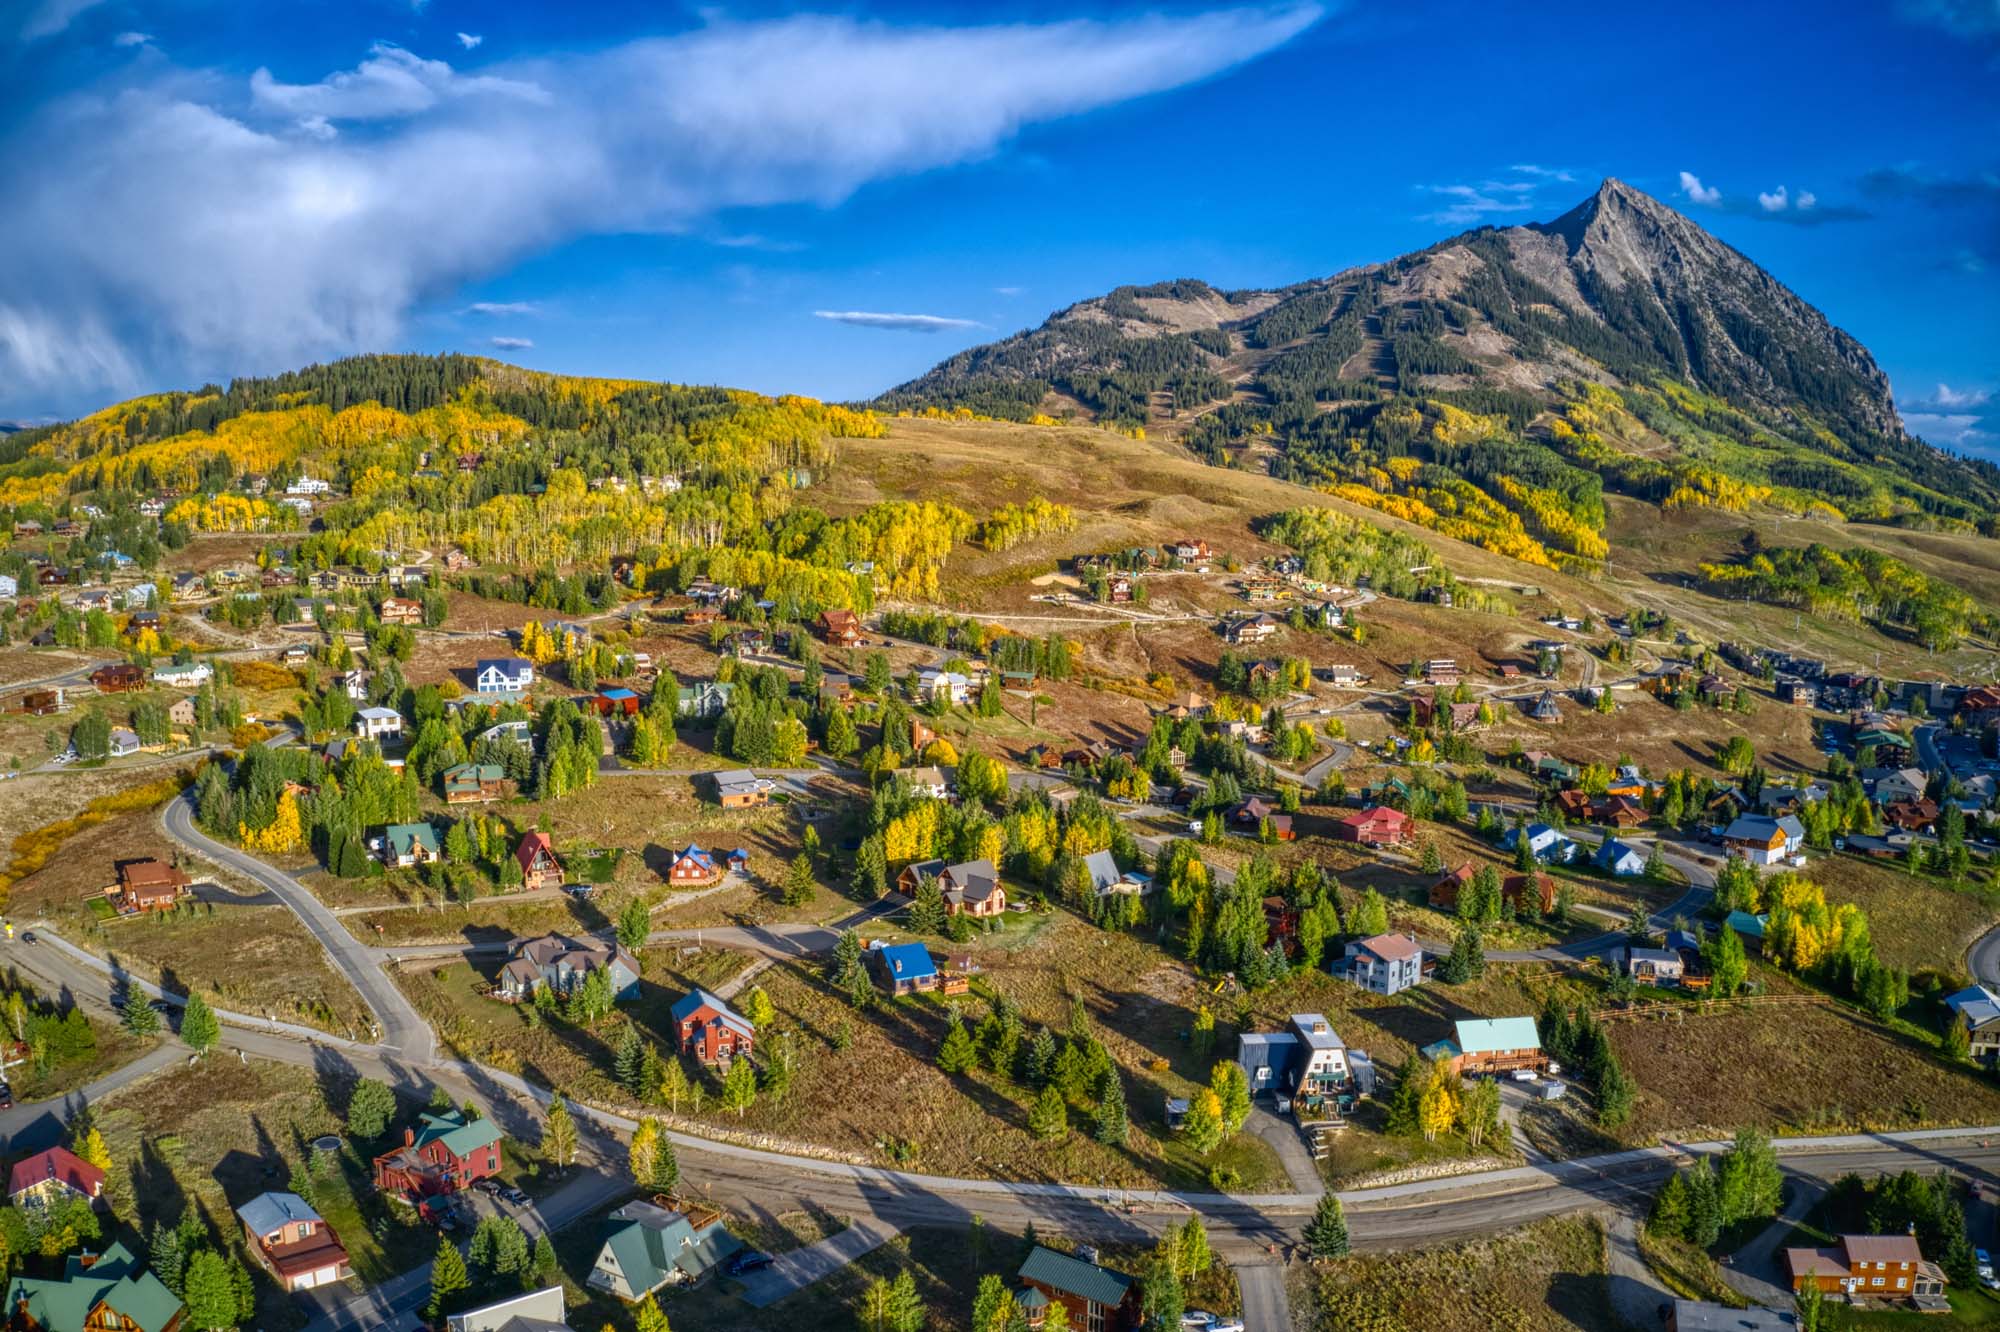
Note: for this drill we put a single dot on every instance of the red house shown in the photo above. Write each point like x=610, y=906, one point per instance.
x=539, y=866
x=840, y=628
x=1381, y=826
x=710, y=1029
x=446, y=1153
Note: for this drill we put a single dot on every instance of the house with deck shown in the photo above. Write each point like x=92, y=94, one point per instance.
x=1480, y=1046
x=1883, y=1267
x=650, y=1246
x=1384, y=963
x=443, y=1153
x=1763, y=840
x=1380, y=826
x=405, y=845
x=473, y=783
x=905, y=968
x=536, y=855
x=561, y=963
x=503, y=675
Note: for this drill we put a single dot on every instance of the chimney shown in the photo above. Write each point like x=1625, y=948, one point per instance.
x=409, y=1136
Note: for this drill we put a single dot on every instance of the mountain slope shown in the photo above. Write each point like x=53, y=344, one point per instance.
x=1618, y=347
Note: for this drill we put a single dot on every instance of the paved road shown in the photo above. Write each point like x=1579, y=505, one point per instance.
x=1285, y=1139
x=31, y=1126
x=794, y=1271
x=1265, y=1308
x=1754, y=1273
x=1636, y=1294
x=401, y=1027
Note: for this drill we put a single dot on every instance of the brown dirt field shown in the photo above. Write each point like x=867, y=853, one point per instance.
x=1795, y=1069
x=1548, y=1277
x=255, y=959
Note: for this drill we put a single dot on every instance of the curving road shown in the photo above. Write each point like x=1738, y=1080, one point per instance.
x=399, y=1026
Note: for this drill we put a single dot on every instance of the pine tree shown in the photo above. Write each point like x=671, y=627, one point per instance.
x=905, y=1309
x=629, y=1056
x=166, y=1256
x=199, y=1029
x=1326, y=1234
x=210, y=1292
x=1704, y=1224
x=1048, y=1119
x=138, y=1014
x=449, y=1279
x=1109, y=1125
x=799, y=882
x=559, y=1133
x=956, y=1053
x=1669, y=1217
x=927, y=908
x=648, y=1317
x=635, y=922
x=1615, y=1092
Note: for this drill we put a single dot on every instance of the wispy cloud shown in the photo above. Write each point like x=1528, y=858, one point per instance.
x=751, y=240
x=132, y=39
x=511, y=344
x=391, y=84
x=1472, y=203
x=470, y=40
x=1468, y=204
x=328, y=243
x=1007, y=291
x=53, y=16
x=1780, y=204
x=907, y=323
x=502, y=309
x=1948, y=399
x=1956, y=430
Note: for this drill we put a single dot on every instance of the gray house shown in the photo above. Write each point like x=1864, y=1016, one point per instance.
x=536, y=1311
x=1978, y=1008
x=1384, y=964
x=651, y=1246
x=561, y=963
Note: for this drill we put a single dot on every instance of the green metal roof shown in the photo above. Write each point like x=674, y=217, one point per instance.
x=116, y=1279
x=1480, y=1035
x=1073, y=1276
x=402, y=836
x=461, y=1137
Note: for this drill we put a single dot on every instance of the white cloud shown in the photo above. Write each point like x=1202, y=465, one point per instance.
x=391, y=84
x=1807, y=199
x=1697, y=192
x=511, y=344
x=907, y=323
x=469, y=40
x=132, y=39
x=1956, y=430
x=1563, y=174
x=123, y=264
x=499, y=309
x=1473, y=203
x=1777, y=201
x=53, y=16
x=1007, y=291
x=1948, y=398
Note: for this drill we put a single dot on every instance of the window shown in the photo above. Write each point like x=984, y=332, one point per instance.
x=1876, y=1282
x=1902, y=1282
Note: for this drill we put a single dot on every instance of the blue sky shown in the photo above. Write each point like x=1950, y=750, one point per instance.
x=200, y=188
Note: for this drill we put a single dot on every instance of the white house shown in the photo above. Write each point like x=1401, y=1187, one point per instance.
x=9, y=586
x=504, y=675
x=189, y=675
x=1385, y=963
x=1903, y=784
x=948, y=685
x=1618, y=858
x=124, y=742
x=927, y=781
x=1549, y=846
x=378, y=724
x=1763, y=840
x=308, y=485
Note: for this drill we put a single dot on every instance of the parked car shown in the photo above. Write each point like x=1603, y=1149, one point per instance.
x=1226, y=1324
x=1524, y=1075
x=750, y=1260
x=513, y=1196
x=487, y=1186
x=1197, y=1320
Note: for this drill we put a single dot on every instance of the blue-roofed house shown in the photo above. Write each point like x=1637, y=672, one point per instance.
x=1978, y=1008
x=904, y=968
x=1620, y=859
x=1303, y=1064
x=694, y=868
x=650, y=1246
x=1550, y=847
